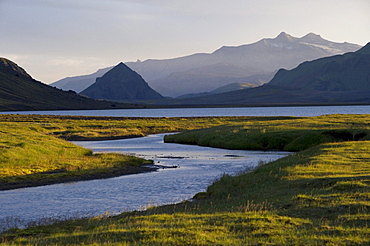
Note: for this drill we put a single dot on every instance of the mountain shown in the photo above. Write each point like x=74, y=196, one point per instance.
x=79, y=83
x=204, y=72
x=340, y=79
x=19, y=91
x=264, y=56
x=208, y=78
x=348, y=72
x=121, y=83
x=222, y=89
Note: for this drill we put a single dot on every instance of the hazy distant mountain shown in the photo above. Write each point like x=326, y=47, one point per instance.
x=208, y=78
x=79, y=83
x=171, y=76
x=19, y=91
x=340, y=79
x=121, y=83
x=205, y=72
x=222, y=89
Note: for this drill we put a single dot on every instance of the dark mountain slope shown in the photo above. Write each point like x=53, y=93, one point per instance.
x=121, y=83
x=19, y=91
x=348, y=72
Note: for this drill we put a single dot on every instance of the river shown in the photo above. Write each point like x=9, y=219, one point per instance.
x=197, y=168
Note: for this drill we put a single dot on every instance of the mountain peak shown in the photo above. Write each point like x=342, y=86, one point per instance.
x=283, y=36
x=312, y=37
x=121, y=64
x=12, y=68
x=121, y=83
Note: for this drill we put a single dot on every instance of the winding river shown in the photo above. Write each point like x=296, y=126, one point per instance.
x=197, y=167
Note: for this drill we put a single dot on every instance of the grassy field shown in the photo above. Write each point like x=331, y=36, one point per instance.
x=33, y=150
x=75, y=128
x=318, y=196
x=29, y=158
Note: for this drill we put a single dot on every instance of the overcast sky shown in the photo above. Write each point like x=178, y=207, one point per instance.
x=53, y=39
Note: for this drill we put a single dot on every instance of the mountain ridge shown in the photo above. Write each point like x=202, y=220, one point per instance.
x=266, y=55
x=336, y=80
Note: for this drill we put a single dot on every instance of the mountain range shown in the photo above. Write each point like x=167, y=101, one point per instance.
x=121, y=83
x=254, y=63
x=19, y=91
x=340, y=79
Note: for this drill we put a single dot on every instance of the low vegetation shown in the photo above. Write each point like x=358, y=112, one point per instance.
x=318, y=196
x=29, y=158
x=33, y=150
x=279, y=133
x=76, y=128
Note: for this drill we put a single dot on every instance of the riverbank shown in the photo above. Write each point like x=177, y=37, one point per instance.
x=63, y=176
x=29, y=157
x=279, y=133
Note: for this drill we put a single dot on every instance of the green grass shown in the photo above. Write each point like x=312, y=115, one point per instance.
x=29, y=158
x=33, y=150
x=292, y=201
x=288, y=134
x=103, y=128
x=318, y=196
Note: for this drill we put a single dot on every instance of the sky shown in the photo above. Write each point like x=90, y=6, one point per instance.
x=54, y=39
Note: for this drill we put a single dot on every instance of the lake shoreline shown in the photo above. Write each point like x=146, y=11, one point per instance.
x=191, y=106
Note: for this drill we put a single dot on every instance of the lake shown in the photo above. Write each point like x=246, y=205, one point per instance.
x=198, y=112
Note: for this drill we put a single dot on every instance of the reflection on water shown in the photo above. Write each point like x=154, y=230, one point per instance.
x=198, y=167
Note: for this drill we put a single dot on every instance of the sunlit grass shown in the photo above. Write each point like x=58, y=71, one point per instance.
x=317, y=196
x=29, y=157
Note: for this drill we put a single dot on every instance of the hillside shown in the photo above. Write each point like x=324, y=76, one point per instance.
x=348, y=72
x=121, y=83
x=19, y=91
x=204, y=72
